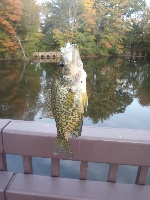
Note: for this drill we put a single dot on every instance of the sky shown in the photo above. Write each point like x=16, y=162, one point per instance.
x=147, y=1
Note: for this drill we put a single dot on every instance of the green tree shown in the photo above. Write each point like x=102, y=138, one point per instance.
x=133, y=42
x=29, y=26
x=72, y=21
x=61, y=18
x=145, y=25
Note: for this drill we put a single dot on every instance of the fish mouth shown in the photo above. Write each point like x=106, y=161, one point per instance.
x=61, y=64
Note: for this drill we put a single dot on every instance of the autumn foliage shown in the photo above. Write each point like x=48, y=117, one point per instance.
x=89, y=12
x=104, y=28
x=10, y=12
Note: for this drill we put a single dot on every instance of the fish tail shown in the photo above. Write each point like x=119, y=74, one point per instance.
x=61, y=145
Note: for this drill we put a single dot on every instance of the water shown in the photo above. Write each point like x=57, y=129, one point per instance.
x=119, y=96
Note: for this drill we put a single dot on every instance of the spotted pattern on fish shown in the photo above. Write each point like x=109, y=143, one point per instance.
x=67, y=112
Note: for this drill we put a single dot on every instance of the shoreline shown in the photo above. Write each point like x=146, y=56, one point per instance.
x=96, y=56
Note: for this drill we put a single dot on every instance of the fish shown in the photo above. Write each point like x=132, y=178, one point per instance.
x=68, y=100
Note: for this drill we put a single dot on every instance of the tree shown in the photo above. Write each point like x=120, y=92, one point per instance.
x=111, y=26
x=89, y=15
x=29, y=25
x=133, y=41
x=85, y=32
x=145, y=26
x=72, y=21
x=10, y=13
x=61, y=21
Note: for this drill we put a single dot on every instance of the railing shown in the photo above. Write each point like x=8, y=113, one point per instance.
x=100, y=145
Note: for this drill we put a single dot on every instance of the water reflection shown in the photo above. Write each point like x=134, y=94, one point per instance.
x=19, y=88
x=112, y=85
x=107, y=93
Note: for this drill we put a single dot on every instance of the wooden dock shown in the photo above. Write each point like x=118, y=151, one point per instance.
x=96, y=144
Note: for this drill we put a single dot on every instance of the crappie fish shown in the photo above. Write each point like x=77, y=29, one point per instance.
x=68, y=99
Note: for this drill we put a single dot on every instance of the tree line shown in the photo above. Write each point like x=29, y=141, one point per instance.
x=99, y=27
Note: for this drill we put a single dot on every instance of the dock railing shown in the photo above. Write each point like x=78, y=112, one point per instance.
x=99, y=145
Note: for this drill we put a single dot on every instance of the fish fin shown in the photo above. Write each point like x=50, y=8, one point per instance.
x=85, y=100
x=61, y=145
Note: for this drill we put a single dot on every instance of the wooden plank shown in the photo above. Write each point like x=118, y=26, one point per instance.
x=141, y=175
x=27, y=163
x=83, y=170
x=113, y=169
x=34, y=139
x=55, y=166
x=29, y=187
x=5, y=178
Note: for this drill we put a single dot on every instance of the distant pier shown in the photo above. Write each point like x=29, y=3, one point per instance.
x=51, y=56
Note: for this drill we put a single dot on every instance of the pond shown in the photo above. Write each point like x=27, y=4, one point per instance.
x=119, y=96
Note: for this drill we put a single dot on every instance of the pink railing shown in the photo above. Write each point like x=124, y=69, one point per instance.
x=100, y=145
